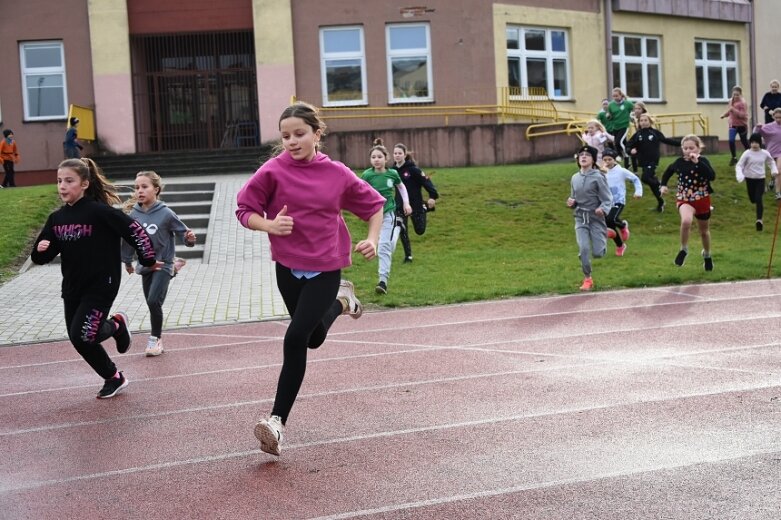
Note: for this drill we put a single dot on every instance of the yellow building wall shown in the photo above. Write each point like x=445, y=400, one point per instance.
x=768, y=58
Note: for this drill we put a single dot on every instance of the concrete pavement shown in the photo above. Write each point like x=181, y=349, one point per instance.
x=234, y=282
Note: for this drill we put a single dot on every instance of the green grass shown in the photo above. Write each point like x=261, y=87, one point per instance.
x=23, y=212
x=505, y=231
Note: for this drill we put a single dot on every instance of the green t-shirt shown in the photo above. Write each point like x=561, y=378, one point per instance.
x=619, y=113
x=385, y=183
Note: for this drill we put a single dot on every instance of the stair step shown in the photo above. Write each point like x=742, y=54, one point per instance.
x=191, y=207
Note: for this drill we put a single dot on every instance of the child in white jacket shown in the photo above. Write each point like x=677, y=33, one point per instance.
x=751, y=167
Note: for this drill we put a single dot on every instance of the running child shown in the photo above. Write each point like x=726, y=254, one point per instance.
x=414, y=179
x=645, y=145
x=693, y=196
x=617, y=177
x=737, y=114
x=385, y=180
x=590, y=200
x=310, y=244
x=751, y=167
x=771, y=133
x=597, y=137
x=637, y=110
x=619, y=111
x=163, y=226
x=86, y=233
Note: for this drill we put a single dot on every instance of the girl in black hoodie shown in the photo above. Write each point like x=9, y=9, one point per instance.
x=645, y=145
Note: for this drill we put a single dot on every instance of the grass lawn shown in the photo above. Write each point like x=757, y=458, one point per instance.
x=23, y=212
x=505, y=231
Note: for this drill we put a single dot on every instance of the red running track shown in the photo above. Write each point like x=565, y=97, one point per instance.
x=655, y=403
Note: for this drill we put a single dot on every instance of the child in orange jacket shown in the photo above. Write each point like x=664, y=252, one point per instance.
x=9, y=154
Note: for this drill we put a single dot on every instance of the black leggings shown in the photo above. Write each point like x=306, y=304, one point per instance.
x=648, y=176
x=419, y=224
x=756, y=190
x=614, y=222
x=86, y=319
x=8, y=180
x=619, y=135
x=313, y=308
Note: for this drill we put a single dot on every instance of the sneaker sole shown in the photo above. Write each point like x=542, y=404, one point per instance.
x=125, y=320
x=115, y=392
x=268, y=439
x=380, y=290
x=358, y=307
x=153, y=353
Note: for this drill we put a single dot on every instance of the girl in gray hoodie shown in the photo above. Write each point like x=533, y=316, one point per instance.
x=591, y=200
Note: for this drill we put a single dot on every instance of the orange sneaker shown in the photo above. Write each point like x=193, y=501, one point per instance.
x=587, y=284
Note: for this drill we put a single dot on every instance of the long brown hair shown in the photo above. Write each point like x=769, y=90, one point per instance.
x=309, y=115
x=99, y=189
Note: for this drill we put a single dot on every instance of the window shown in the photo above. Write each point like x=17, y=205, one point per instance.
x=343, y=66
x=409, y=63
x=716, y=69
x=538, y=58
x=44, y=90
x=637, y=66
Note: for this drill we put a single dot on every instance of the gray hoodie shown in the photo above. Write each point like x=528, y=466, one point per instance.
x=162, y=225
x=590, y=191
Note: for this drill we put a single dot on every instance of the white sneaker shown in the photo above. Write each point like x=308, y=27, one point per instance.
x=269, y=433
x=154, y=347
x=347, y=291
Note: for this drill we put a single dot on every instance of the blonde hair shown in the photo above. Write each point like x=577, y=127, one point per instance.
x=596, y=123
x=618, y=89
x=157, y=183
x=641, y=106
x=651, y=119
x=776, y=111
x=696, y=139
x=99, y=189
x=775, y=82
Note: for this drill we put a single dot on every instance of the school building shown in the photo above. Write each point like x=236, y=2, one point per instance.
x=458, y=80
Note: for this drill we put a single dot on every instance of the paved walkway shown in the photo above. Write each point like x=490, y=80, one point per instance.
x=234, y=283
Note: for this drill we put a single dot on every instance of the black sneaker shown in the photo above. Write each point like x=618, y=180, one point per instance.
x=733, y=161
x=680, y=258
x=707, y=262
x=122, y=334
x=760, y=226
x=113, y=386
x=660, y=207
x=382, y=288
x=407, y=259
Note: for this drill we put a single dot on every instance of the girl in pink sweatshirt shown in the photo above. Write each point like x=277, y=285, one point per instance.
x=737, y=118
x=297, y=198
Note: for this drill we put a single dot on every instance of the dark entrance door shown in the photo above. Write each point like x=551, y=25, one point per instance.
x=195, y=91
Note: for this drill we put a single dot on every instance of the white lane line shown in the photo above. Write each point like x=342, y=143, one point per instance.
x=386, y=434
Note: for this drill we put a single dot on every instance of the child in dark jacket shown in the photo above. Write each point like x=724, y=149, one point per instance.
x=645, y=145
x=86, y=233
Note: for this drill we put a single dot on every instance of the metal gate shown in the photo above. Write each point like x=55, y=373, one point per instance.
x=195, y=91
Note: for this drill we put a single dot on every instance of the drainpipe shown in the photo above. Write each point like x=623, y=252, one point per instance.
x=608, y=6
x=752, y=52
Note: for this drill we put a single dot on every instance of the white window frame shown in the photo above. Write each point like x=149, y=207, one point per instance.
x=34, y=71
x=424, y=53
x=620, y=58
x=549, y=55
x=724, y=64
x=325, y=57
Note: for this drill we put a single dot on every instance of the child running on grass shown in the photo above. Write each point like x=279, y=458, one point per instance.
x=645, y=145
x=297, y=198
x=590, y=200
x=693, y=196
x=597, y=137
x=386, y=180
x=751, y=167
x=86, y=233
x=617, y=177
x=163, y=226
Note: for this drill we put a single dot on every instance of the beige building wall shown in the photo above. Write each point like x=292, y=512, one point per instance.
x=274, y=58
x=109, y=36
x=768, y=57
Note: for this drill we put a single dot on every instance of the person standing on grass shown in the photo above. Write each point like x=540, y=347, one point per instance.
x=645, y=144
x=9, y=155
x=86, y=232
x=590, y=200
x=163, y=226
x=617, y=177
x=414, y=180
x=619, y=112
x=297, y=197
x=751, y=168
x=386, y=180
x=737, y=114
x=771, y=100
x=693, y=196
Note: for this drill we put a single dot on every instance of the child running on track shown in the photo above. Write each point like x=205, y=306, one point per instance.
x=693, y=196
x=414, y=179
x=751, y=167
x=86, y=233
x=163, y=226
x=590, y=200
x=645, y=145
x=310, y=244
x=384, y=180
x=617, y=177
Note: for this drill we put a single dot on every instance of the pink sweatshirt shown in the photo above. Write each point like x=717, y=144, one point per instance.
x=315, y=193
x=771, y=133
